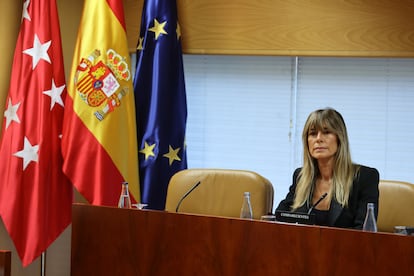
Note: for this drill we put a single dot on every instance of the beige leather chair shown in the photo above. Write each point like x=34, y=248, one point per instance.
x=220, y=192
x=396, y=205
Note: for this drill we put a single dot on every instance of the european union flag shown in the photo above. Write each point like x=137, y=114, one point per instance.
x=160, y=98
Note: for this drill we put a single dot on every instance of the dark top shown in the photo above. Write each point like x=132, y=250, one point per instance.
x=321, y=216
x=364, y=190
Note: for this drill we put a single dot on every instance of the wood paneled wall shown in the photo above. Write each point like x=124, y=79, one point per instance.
x=10, y=15
x=363, y=28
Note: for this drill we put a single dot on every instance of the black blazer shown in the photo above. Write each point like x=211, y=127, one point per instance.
x=364, y=190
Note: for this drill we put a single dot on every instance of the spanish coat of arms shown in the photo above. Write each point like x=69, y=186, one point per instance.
x=99, y=81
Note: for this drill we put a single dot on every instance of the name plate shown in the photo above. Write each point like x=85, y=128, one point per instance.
x=294, y=217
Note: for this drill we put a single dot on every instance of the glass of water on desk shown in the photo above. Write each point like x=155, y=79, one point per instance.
x=268, y=218
x=140, y=206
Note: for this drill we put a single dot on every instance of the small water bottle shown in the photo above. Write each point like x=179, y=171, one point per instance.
x=246, y=209
x=124, y=199
x=370, y=224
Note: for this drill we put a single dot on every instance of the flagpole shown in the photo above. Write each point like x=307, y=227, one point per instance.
x=43, y=264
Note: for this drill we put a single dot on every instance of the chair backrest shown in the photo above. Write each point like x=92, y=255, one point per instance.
x=396, y=205
x=220, y=192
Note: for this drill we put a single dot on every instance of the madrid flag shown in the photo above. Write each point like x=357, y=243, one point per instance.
x=99, y=133
x=35, y=195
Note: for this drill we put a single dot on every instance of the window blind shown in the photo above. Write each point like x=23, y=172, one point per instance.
x=238, y=114
x=247, y=112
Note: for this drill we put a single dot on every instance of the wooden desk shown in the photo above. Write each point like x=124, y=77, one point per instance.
x=112, y=241
x=5, y=262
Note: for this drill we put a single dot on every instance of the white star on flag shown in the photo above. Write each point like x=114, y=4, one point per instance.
x=55, y=93
x=39, y=51
x=25, y=13
x=28, y=153
x=11, y=113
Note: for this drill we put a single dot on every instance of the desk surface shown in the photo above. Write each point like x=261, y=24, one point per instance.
x=112, y=241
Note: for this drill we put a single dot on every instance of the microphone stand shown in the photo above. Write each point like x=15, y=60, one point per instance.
x=317, y=202
x=185, y=195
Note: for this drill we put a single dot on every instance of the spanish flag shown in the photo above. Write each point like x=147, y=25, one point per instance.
x=99, y=130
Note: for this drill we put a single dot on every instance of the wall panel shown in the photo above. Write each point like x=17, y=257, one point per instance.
x=291, y=27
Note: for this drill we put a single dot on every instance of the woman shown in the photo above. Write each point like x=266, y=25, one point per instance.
x=328, y=173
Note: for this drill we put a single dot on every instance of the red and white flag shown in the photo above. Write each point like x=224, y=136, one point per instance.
x=35, y=195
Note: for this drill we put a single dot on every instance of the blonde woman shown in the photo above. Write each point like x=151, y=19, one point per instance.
x=329, y=176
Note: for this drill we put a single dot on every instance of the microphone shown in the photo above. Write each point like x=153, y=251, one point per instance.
x=316, y=203
x=185, y=195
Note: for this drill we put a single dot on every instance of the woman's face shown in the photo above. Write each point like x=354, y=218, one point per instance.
x=322, y=143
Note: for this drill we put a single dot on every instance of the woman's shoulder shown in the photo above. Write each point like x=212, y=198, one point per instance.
x=297, y=170
x=367, y=172
x=367, y=169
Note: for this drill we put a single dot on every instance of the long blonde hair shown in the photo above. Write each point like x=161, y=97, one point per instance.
x=344, y=170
